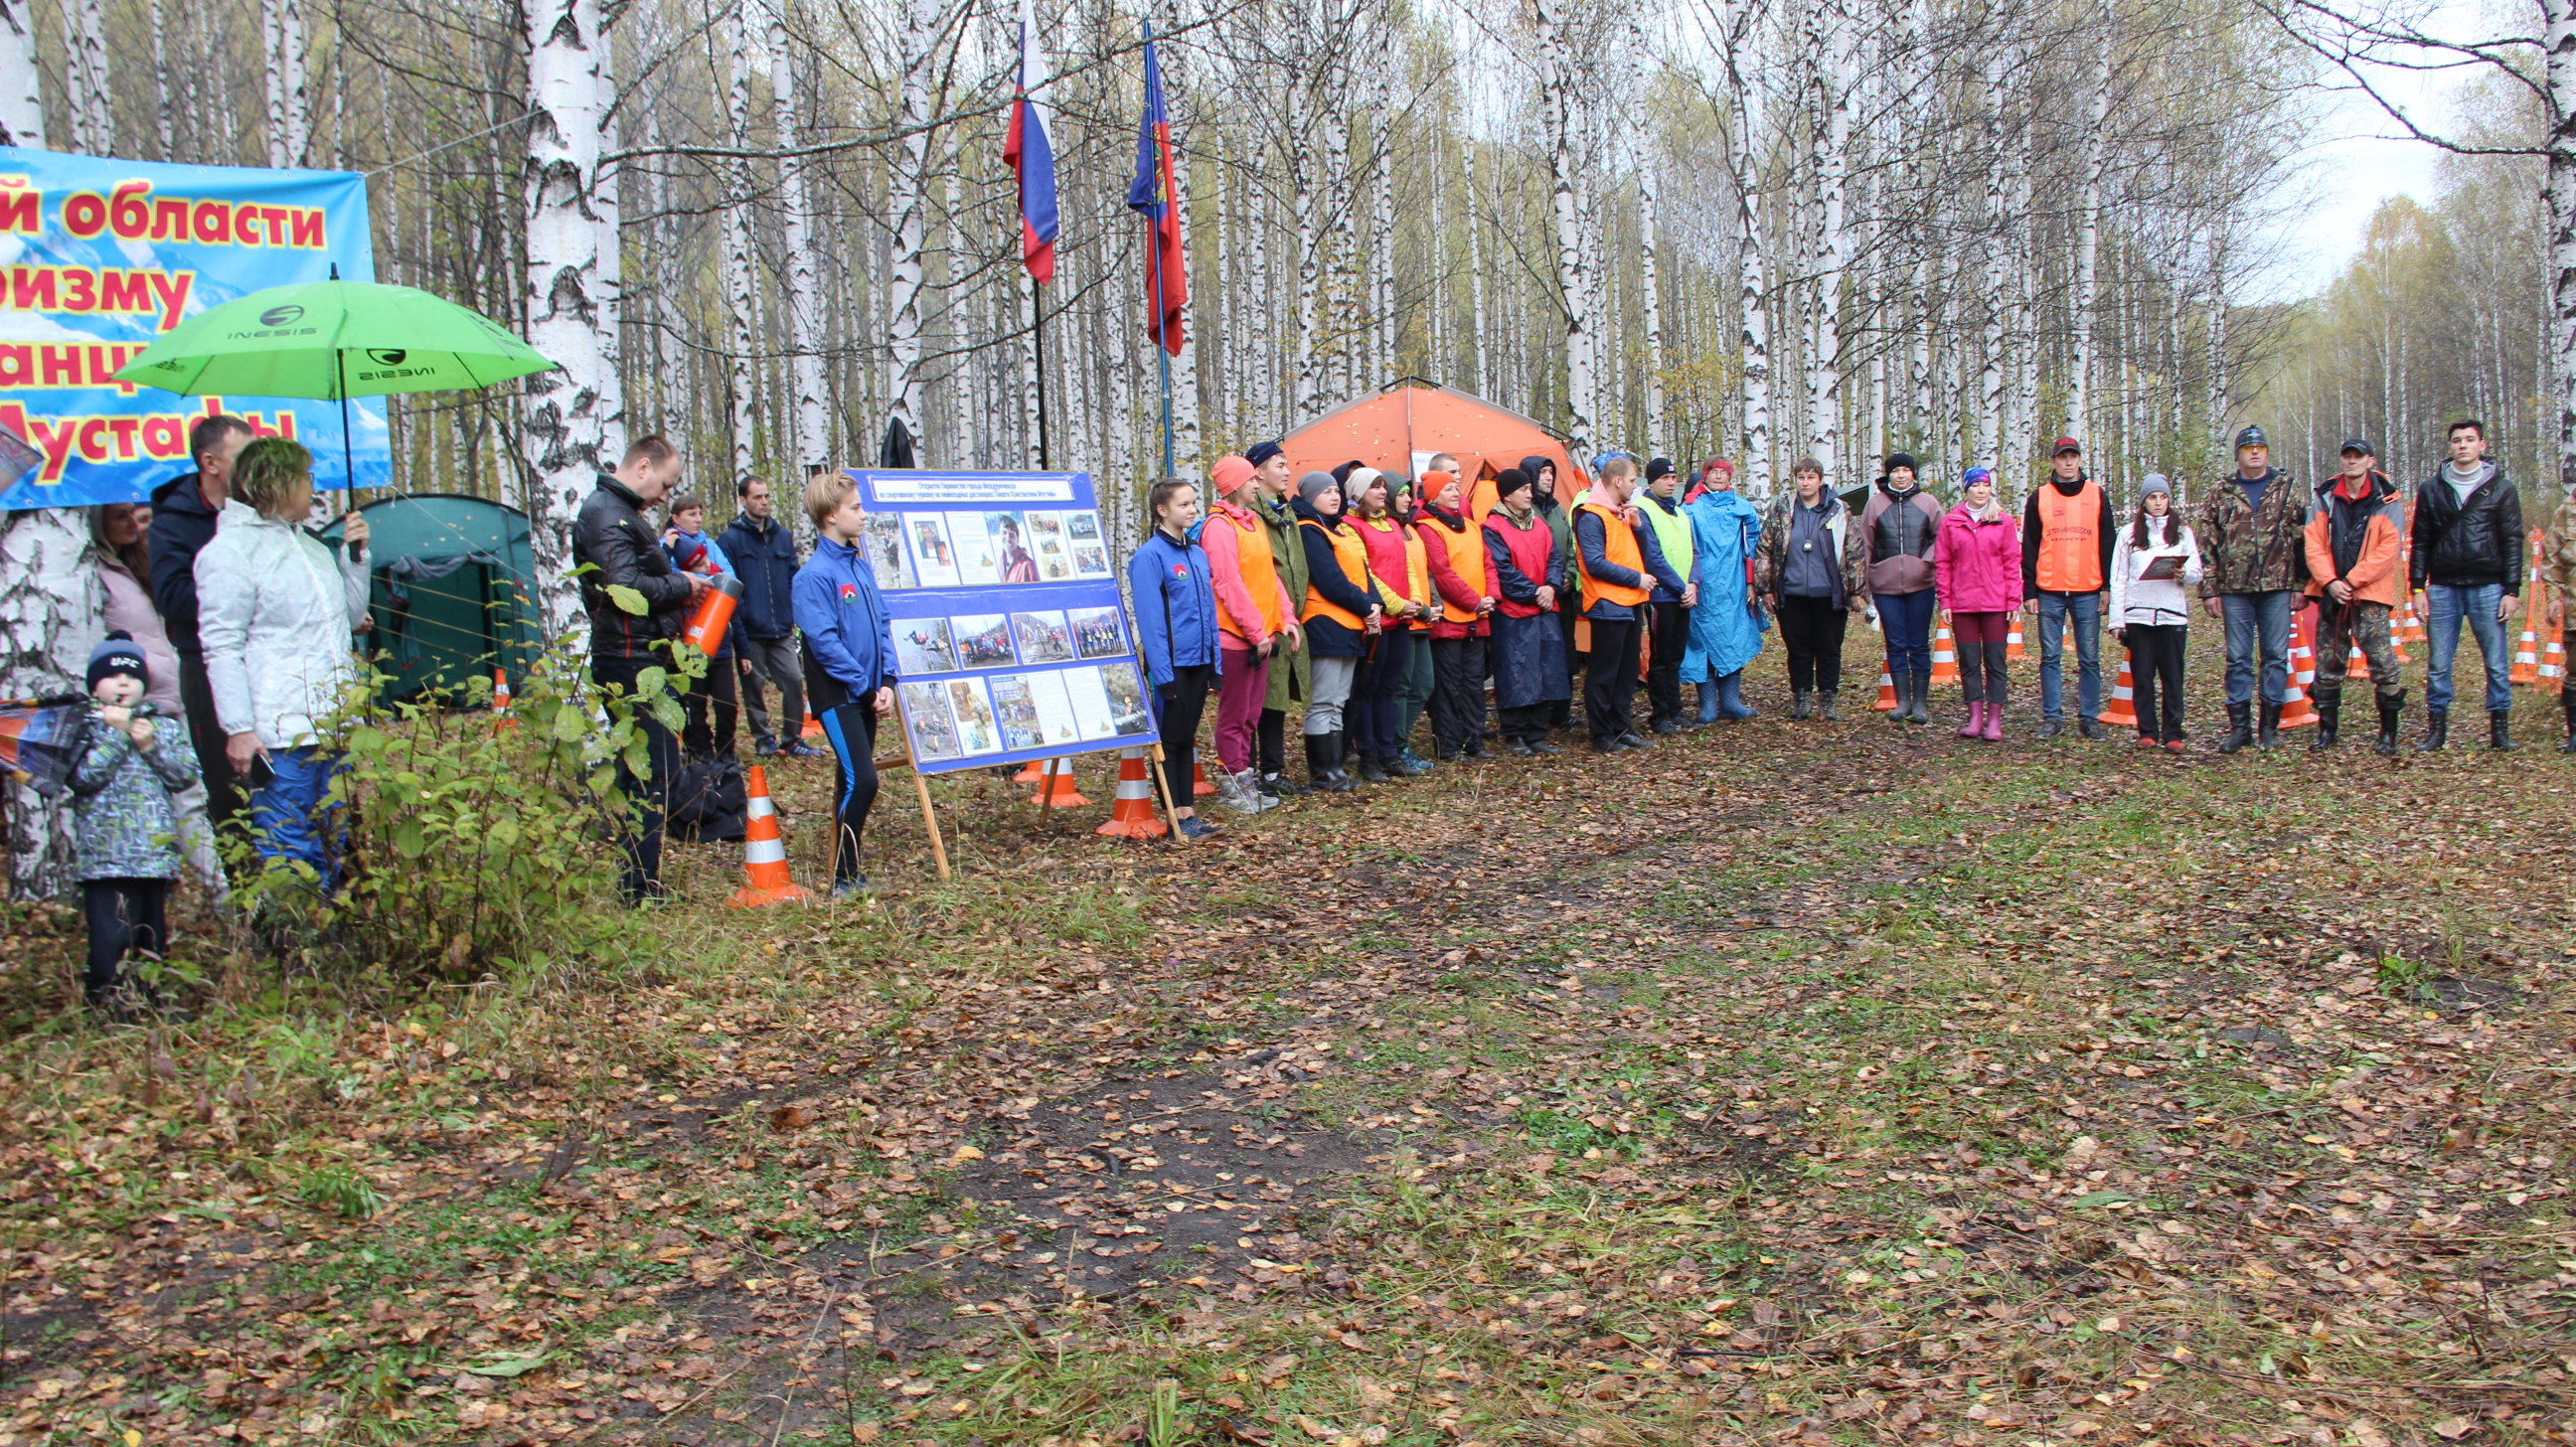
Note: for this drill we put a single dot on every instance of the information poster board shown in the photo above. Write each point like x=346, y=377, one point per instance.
x=1010, y=638
x=98, y=258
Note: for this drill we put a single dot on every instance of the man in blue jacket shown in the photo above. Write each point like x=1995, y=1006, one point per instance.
x=849, y=646
x=763, y=551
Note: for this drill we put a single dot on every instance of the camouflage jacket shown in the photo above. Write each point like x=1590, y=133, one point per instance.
x=2247, y=549
x=2558, y=551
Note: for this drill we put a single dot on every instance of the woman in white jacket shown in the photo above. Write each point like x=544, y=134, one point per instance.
x=2156, y=559
x=275, y=609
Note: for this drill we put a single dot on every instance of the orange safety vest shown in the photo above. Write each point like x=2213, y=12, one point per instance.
x=1417, y=567
x=1352, y=555
x=1619, y=545
x=1467, y=559
x=2070, y=539
x=1254, y=565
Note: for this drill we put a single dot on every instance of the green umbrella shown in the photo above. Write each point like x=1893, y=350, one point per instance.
x=333, y=340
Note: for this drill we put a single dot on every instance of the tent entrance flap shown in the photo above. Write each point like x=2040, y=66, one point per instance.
x=452, y=592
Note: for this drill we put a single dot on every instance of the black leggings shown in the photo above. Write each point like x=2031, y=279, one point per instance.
x=1458, y=694
x=2155, y=677
x=1182, y=701
x=1274, y=737
x=1812, y=629
x=124, y=916
x=851, y=730
x=718, y=694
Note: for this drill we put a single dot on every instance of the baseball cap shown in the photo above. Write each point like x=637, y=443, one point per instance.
x=2252, y=437
x=2360, y=445
x=2065, y=445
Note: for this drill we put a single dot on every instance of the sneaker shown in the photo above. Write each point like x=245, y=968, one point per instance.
x=856, y=884
x=1669, y=726
x=1234, y=791
x=1519, y=747
x=800, y=750
x=2051, y=728
x=2091, y=728
x=1542, y=746
x=1195, y=828
x=2148, y=741
x=1636, y=741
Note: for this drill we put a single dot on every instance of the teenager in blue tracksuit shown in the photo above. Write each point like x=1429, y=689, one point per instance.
x=849, y=659
x=1176, y=633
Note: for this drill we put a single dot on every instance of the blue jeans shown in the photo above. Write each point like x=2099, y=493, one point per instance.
x=2449, y=605
x=2053, y=610
x=2247, y=615
x=1907, y=617
x=292, y=816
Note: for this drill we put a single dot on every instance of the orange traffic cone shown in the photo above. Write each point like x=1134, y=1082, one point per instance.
x=1132, y=815
x=2123, y=711
x=2012, y=641
x=1061, y=794
x=764, y=853
x=2297, y=711
x=501, y=701
x=813, y=727
x=2526, y=653
x=1886, y=692
x=1200, y=788
x=2553, y=651
x=1945, y=653
x=1030, y=772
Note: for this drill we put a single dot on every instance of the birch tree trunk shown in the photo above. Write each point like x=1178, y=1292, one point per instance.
x=2088, y=245
x=1831, y=137
x=564, y=433
x=1752, y=286
x=2219, y=451
x=22, y=104
x=1308, y=383
x=740, y=339
x=90, y=103
x=811, y=438
x=1652, y=304
x=2559, y=18
x=290, y=115
x=1480, y=368
x=1573, y=274
x=1187, y=441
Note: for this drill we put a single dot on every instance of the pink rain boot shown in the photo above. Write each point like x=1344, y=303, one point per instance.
x=1994, y=730
x=1976, y=723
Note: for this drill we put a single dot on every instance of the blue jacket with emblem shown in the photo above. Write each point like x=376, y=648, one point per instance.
x=1175, y=607
x=848, y=634
x=764, y=558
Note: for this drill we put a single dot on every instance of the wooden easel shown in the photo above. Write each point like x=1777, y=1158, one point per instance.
x=920, y=788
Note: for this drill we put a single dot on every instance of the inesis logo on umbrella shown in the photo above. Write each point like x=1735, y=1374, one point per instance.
x=280, y=321
x=389, y=364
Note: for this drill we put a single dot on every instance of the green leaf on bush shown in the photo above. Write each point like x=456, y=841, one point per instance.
x=628, y=600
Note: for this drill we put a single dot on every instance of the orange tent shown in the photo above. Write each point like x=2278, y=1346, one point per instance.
x=1399, y=428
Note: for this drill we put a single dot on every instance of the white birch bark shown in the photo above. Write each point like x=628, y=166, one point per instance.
x=1187, y=442
x=1652, y=302
x=1382, y=242
x=1573, y=273
x=1753, y=286
x=1308, y=380
x=565, y=430
x=2218, y=347
x=1480, y=350
x=165, y=102
x=740, y=339
x=1828, y=37
x=2559, y=19
x=22, y=105
x=811, y=438
x=290, y=113
x=1990, y=377
x=2088, y=243
x=89, y=102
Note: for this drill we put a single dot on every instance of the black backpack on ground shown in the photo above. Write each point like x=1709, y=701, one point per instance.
x=708, y=804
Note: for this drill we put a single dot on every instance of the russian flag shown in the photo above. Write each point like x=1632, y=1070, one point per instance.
x=1153, y=196
x=1031, y=154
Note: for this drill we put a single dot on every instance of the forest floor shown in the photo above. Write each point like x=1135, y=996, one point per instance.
x=1787, y=1083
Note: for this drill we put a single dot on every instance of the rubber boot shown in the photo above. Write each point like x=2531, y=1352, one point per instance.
x=2269, y=735
x=1993, y=732
x=1707, y=704
x=1373, y=770
x=1802, y=703
x=1324, y=764
x=2390, y=707
x=2240, y=728
x=1730, y=698
x=1904, y=686
x=2329, y=715
x=2437, y=731
x=1923, y=697
x=2500, y=731
x=1975, y=727
x=1825, y=700
x=2567, y=701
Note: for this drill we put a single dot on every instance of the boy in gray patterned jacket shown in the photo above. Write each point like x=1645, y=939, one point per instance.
x=127, y=831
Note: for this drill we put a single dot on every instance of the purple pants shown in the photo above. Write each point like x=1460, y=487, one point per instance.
x=1239, y=694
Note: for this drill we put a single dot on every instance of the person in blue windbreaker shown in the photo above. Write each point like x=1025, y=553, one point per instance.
x=711, y=708
x=849, y=660
x=1176, y=632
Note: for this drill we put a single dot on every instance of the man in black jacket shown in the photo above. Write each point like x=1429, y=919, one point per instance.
x=183, y=521
x=623, y=550
x=2468, y=564
x=763, y=553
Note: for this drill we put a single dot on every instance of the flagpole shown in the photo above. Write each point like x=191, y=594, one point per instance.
x=1037, y=325
x=1162, y=347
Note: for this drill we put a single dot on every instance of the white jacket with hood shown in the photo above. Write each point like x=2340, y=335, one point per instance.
x=275, y=608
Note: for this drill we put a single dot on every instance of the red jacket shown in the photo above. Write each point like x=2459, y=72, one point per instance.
x=1976, y=564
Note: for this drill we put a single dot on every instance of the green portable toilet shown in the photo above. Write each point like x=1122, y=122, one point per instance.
x=453, y=595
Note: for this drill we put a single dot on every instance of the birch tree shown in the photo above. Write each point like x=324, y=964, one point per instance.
x=22, y=104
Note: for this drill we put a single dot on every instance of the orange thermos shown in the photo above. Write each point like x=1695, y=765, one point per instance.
x=705, y=629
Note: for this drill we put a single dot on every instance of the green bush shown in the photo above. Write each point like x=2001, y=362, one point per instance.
x=479, y=843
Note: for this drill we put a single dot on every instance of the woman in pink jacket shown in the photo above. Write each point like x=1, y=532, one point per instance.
x=1976, y=566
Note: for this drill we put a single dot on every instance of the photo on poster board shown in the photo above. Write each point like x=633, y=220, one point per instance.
x=886, y=552
x=1092, y=718
x=1082, y=527
x=1090, y=560
x=1046, y=539
x=1055, y=709
x=932, y=729
x=977, y=732
x=1097, y=633
x=1008, y=535
x=1015, y=709
x=983, y=640
x=922, y=645
x=1043, y=637
x=934, y=561
x=1126, y=698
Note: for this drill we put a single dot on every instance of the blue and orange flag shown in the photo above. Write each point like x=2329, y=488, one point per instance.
x=1030, y=153
x=1154, y=197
